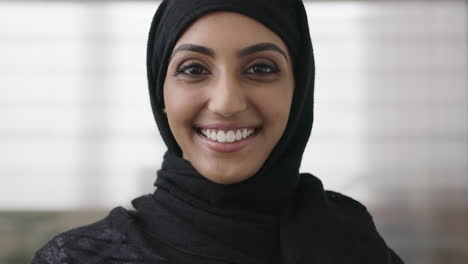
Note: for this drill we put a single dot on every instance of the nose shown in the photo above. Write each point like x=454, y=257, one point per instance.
x=227, y=97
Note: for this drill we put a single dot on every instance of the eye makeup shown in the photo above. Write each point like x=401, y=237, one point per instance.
x=263, y=68
x=192, y=69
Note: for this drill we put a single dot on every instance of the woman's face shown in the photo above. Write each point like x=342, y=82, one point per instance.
x=228, y=93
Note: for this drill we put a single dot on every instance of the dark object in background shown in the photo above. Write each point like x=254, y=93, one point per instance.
x=22, y=233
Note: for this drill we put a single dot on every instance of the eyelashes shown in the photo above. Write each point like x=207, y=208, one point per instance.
x=263, y=68
x=192, y=69
x=195, y=69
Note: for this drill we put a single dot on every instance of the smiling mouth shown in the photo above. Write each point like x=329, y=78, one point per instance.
x=227, y=136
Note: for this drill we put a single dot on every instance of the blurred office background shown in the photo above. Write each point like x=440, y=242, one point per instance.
x=77, y=135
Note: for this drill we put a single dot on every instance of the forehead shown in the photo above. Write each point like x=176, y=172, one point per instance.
x=230, y=30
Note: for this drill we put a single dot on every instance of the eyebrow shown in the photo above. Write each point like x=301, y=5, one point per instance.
x=194, y=48
x=244, y=52
x=262, y=47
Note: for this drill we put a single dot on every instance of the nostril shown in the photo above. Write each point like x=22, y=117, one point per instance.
x=226, y=114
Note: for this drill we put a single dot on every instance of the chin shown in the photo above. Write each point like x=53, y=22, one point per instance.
x=227, y=176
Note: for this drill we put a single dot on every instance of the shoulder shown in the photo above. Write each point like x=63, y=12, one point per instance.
x=345, y=204
x=82, y=244
x=349, y=213
x=334, y=203
x=345, y=223
x=336, y=212
x=343, y=200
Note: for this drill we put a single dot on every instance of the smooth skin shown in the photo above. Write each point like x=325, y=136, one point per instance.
x=228, y=71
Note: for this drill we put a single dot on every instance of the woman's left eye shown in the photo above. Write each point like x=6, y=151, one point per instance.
x=192, y=69
x=263, y=68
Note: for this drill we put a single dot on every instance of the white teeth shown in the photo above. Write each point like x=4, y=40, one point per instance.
x=227, y=137
x=231, y=137
x=222, y=136
x=214, y=135
x=238, y=135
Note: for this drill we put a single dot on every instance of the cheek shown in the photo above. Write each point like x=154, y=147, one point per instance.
x=179, y=113
x=286, y=97
x=181, y=104
x=275, y=103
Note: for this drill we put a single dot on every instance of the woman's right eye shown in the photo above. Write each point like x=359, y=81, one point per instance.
x=192, y=69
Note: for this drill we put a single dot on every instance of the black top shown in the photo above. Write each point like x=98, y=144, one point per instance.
x=343, y=233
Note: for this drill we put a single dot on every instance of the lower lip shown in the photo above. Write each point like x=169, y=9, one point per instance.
x=227, y=147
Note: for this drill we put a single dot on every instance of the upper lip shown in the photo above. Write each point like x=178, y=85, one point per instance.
x=226, y=126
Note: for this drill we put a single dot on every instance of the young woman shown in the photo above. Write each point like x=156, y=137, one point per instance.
x=231, y=85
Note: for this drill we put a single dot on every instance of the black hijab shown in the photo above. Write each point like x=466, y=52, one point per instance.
x=276, y=216
x=279, y=175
